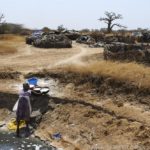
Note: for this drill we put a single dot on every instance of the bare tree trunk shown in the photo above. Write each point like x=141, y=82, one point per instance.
x=109, y=27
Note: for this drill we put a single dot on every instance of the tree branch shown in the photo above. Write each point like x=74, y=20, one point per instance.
x=103, y=19
x=118, y=25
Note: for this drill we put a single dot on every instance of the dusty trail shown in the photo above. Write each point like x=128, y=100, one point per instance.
x=77, y=59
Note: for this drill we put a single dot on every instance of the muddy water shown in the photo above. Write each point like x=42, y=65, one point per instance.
x=8, y=141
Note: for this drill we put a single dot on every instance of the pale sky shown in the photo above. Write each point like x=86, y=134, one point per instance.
x=75, y=14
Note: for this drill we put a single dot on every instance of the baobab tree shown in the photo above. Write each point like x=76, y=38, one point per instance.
x=109, y=20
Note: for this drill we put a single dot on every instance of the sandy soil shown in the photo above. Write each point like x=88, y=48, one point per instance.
x=29, y=58
x=86, y=120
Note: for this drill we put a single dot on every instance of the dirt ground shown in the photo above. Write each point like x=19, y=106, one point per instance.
x=86, y=120
x=29, y=58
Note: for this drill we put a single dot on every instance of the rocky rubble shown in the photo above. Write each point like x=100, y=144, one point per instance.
x=141, y=37
x=53, y=41
x=71, y=34
x=97, y=45
x=49, y=40
x=146, y=37
x=119, y=38
x=33, y=37
x=131, y=52
x=86, y=39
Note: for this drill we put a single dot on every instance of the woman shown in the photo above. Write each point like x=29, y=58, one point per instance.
x=24, y=107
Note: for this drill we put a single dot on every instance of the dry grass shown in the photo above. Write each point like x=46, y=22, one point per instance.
x=7, y=49
x=138, y=75
x=8, y=43
x=11, y=38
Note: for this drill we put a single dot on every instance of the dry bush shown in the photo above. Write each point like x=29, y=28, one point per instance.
x=135, y=74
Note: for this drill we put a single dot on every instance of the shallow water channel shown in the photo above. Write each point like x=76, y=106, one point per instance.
x=8, y=141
